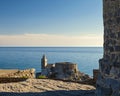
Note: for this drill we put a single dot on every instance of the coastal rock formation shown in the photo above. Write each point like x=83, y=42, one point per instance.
x=108, y=83
x=62, y=70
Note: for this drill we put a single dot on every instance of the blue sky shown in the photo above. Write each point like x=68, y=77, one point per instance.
x=49, y=18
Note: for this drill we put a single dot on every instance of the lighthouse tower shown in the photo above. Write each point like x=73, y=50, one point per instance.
x=43, y=62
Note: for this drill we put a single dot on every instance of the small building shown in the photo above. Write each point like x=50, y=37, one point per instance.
x=60, y=70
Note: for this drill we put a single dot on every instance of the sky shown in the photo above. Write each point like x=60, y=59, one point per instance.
x=51, y=23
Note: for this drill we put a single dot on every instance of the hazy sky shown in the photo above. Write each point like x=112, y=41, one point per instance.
x=51, y=23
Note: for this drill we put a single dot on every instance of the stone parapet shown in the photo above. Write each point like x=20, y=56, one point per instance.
x=28, y=73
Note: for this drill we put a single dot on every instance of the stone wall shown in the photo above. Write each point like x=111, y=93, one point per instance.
x=66, y=70
x=28, y=73
x=108, y=83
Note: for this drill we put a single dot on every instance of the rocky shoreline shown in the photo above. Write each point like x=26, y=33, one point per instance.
x=43, y=87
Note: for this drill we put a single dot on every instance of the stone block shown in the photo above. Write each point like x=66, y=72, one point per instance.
x=102, y=91
x=116, y=64
x=95, y=74
x=117, y=48
x=118, y=35
x=118, y=20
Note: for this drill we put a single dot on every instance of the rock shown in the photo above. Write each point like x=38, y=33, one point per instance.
x=28, y=73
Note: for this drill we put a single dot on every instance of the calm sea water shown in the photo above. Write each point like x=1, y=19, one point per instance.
x=30, y=57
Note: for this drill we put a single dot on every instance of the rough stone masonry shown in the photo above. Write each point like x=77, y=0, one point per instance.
x=108, y=83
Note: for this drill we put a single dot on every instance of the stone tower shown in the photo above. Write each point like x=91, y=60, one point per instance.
x=43, y=62
x=108, y=83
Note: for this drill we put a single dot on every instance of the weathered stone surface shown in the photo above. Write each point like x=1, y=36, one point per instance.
x=108, y=83
x=28, y=73
x=45, y=87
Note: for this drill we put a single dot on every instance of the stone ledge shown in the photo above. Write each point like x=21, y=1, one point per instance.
x=28, y=73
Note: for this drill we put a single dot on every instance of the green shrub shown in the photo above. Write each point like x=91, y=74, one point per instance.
x=25, y=77
x=42, y=77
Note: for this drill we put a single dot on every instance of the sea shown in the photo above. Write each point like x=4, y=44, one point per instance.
x=86, y=58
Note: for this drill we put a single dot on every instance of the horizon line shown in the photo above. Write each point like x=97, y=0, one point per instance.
x=51, y=46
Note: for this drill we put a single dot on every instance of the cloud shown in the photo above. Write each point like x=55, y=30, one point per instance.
x=50, y=40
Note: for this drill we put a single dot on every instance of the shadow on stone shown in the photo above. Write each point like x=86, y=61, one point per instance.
x=9, y=80
x=53, y=93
